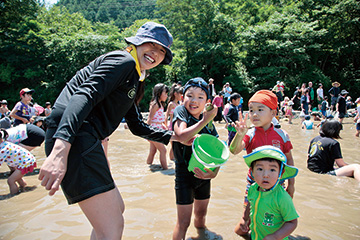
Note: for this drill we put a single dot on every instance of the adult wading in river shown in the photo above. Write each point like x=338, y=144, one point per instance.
x=101, y=94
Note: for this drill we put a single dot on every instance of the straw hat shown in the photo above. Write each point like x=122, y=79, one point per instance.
x=333, y=84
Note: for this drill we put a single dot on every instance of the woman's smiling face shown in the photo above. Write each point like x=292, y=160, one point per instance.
x=150, y=55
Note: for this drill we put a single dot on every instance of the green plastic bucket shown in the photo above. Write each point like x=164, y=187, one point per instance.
x=208, y=152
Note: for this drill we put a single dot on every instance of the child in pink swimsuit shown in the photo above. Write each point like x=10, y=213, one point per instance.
x=173, y=102
x=17, y=157
x=156, y=118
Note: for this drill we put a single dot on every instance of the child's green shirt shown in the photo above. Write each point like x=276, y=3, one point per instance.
x=269, y=210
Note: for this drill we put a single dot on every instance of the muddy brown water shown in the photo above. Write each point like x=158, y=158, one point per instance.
x=329, y=207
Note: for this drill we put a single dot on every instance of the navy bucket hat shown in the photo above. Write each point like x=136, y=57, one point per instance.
x=156, y=33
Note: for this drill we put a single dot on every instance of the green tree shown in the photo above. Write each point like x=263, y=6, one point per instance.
x=21, y=49
x=205, y=43
x=338, y=59
x=72, y=42
x=277, y=50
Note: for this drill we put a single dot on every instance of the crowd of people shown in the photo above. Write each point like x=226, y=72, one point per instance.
x=22, y=129
x=110, y=89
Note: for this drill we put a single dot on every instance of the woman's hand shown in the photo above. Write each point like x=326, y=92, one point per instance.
x=53, y=170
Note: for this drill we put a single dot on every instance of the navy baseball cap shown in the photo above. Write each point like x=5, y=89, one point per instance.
x=156, y=33
x=197, y=82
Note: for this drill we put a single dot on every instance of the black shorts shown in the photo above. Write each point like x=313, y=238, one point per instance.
x=341, y=115
x=36, y=136
x=188, y=187
x=87, y=173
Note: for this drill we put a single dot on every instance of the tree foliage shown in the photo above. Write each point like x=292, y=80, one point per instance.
x=122, y=13
x=249, y=43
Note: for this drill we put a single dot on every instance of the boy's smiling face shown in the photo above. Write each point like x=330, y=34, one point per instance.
x=26, y=98
x=266, y=173
x=261, y=115
x=194, y=101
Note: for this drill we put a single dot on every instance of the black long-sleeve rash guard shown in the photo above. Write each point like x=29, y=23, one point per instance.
x=102, y=94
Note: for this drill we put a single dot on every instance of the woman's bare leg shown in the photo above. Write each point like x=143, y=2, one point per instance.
x=105, y=213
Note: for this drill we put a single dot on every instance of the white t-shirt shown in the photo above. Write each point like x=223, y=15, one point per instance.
x=320, y=93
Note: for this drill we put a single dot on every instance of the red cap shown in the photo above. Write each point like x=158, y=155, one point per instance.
x=26, y=90
x=265, y=97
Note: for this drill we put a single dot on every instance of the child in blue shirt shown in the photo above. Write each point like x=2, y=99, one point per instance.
x=233, y=115
x=307, y=124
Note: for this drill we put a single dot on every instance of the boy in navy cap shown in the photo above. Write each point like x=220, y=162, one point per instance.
x=192, y=188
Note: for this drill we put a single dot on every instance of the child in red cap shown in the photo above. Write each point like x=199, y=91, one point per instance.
x=21, y=111
x=262, y=109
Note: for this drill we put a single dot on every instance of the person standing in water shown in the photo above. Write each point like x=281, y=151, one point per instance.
x=101, y=95
x=156, y=118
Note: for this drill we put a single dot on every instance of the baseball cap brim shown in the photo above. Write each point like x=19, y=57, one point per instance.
x=26, y=90
x=274, y=153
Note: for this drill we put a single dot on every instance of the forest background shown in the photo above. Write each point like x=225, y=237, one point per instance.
x=249, y=43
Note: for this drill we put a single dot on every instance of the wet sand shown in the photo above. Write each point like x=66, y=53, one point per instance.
x=329, y=207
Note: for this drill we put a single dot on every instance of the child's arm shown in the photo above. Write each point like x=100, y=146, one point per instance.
x=167, y=114
x=153, y=108
x=13, y=115
x=237, y=144
x=291, y=182
x=284, y=231
x=340, y=162
x=242, y=228
x=185, y=134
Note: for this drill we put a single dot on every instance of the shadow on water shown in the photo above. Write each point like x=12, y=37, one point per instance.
x=298, y=237
x=5, y=175
x=204, y=234
x=291, y=237
x=22, y=190
x=158, y=168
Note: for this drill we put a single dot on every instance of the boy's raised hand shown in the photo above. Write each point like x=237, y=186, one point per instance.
x=240, y=125
x=209, y=114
